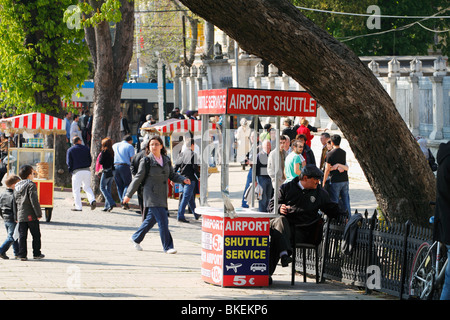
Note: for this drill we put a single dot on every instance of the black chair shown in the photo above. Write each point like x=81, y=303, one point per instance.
x=314, y=238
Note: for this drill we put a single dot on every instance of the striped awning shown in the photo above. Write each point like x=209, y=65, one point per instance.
x=177, y=125
x=75, y=104
x=33, y=123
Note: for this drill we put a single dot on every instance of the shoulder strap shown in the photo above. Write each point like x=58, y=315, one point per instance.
x=147, y=167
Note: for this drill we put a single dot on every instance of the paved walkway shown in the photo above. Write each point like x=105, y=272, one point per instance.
x=89, y=256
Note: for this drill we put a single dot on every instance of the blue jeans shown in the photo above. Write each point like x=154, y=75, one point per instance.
x=105, y=188
x=160, y=215
x=247, y=184
x=266, y=183
x=10, y=226
x=445, y=294
x=339, y=193
x=123, y=178
x=187, y=199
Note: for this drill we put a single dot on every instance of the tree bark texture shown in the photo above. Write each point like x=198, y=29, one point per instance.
x=352, y=96
x=111, y=62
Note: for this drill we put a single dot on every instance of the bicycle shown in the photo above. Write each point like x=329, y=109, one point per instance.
x=428, y=270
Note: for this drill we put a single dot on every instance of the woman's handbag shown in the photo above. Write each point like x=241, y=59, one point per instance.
x=108, y=173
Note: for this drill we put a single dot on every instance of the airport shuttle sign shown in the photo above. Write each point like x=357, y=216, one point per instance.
x=256, y=102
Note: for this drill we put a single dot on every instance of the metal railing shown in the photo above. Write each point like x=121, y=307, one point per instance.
x=380, y=259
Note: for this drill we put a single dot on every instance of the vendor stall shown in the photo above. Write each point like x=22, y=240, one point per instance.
x=32, y=152
x=235, y=241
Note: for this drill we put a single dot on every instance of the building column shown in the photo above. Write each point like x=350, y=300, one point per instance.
x=438, y=108
x=201, y=73
x=414, y=111
x=438, y=99
x=259, y=73
x=393, y=73
x=192, y=89
x=176, y=88
x=273, y=73
x=184, y=93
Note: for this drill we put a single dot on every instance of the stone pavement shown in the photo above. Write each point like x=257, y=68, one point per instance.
x=89, y=256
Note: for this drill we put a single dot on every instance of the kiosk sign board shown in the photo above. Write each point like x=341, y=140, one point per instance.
x=256, y=102
x=235, y=252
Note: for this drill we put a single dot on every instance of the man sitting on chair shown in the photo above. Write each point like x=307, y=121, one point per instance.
x=299, y=202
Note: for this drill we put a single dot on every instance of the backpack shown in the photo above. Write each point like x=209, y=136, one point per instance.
x=350, y=233
x=432, y=161
x=147, y=169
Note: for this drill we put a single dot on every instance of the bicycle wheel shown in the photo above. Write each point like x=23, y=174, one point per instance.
x=422, y=273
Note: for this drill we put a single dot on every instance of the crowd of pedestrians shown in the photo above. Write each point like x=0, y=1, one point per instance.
x=295, y=153
x=304, y=184
x=147, y=171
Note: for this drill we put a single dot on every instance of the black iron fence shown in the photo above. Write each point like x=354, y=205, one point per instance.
x=381, y=257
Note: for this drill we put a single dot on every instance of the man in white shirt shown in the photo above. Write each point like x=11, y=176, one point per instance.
x=75, y=129
x=274, y=171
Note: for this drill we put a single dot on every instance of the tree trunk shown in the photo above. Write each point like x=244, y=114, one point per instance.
x=276, y=31
x=111, y=62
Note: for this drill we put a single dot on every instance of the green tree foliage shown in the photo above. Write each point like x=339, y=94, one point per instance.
x=159, y=34
x=43, y=59
x=396, y=36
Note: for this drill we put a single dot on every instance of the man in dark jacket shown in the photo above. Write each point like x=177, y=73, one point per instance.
x=442, y=214
x=299, y=201
x=79, y=161
x=187, y=163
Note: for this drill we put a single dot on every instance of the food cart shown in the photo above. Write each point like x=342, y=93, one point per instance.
x=235, y=241
x=32, y=152
x=174, y=129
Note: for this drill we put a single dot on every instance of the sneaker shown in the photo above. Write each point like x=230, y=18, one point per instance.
x=39, y=257
x=183, y=220
x=93, y=205
x=171, y=251
x=23, y=259
x=76, y=210
x=4, y=256
x=126, y=206
x=285, y=260
x=137, y=246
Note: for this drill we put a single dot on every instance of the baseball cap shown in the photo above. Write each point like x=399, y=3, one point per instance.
x=310, y=170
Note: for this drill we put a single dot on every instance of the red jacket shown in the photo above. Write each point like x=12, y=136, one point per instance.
x=305, y=131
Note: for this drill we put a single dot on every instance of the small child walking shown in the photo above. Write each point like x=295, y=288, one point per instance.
x=28, y=213
x=8, y=212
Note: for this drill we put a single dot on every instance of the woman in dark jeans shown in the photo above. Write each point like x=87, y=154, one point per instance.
x=107, y=161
